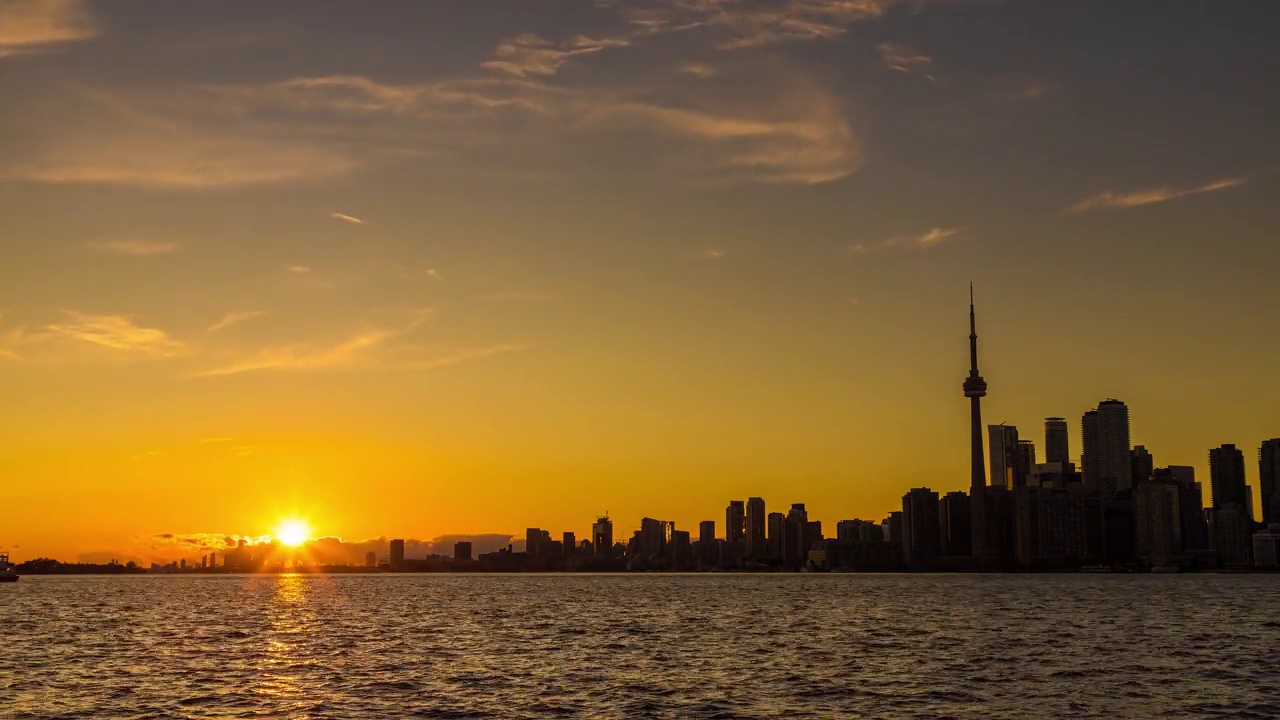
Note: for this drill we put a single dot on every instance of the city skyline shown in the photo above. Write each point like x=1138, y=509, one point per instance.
x=445, y=269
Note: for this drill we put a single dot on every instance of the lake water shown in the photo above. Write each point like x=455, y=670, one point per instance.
x=631, y=646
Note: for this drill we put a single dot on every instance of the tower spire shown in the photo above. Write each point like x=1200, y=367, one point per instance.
x=975, y=388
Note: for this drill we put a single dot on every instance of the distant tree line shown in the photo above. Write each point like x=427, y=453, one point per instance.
x=49, y=566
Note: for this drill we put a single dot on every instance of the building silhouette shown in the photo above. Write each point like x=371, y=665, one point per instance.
x=602, y=536
x=1141, y=465
x=735, y=521
x=756, y=529
x=1026, y=462
x=397, y=552
x=1105, y=461
x=462, y=551
x=707, y=531
x=955, y=531
x=1004, y=455
x=1157, y=523
x=1193, y=531
x=1056, y=447
x=371, y=559
x=1232, y=524
x=569, y=544
x=777, y=528
x=920, y=528
x=795, y=533
x=1056, y=524
x=1269, y=480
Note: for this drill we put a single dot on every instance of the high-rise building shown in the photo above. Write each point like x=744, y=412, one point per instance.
x=1191, y=524
x=653, y=538
x=1004, y=455
x=795, y=532
x=735, y=521
x=1026, y=462
x=1105, y=460
x=1141, y=465
x=1232, y=523
x=861, y=531
x=1056, y=525
x=533, y=543
x=777, y=528
x=371, y=559
x=756, y=534
x=1056, y=447
x=920, y=528
x=1157, y=523
x=707, y=531
x=397, y=552
x=462, y=551
x=975, y=388
x=602, y=536
x=680, y=552
x=893, y=527
x=569, y=543
x=955, y=518
x=1269, y=480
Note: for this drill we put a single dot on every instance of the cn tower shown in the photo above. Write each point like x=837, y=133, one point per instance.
x=975, y=388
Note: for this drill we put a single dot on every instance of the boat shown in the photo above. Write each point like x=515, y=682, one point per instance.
x=8, y=573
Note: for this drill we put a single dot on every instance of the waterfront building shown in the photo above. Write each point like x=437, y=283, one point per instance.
x=462, y=551
x=1266, y=547
x=1004, y=455
x=920, y=528
x=955, y=518
x=397, y=552
x=706, y=531
x=1232, y=523
x=756, y=529
x=371, y=559
x=1269, y=480
x=777, y=527
x=1106, y=462
x=1056, y=446
x=735, y=520
x=602, y=536
x=1056, y=525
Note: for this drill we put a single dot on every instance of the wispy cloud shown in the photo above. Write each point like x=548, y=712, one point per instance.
x=698, y=69
x=349, y=219
x=1112, y=200
x=351, y=351
x=925, y=240
x=33, y=25
x=734, y=25
x=235, y=318
x=298, y=269
x=935, y=236
x=433, y=274
x=530, y=54
x=118, y=334
x=714, y=253
x=902, y=58
x=133, y=248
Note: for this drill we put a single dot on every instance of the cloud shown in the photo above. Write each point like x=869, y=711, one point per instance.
x=298, y=269
x=116, y=333
x=235, y=318
x=33, y=25
x=530, y=54
x=901, y=58
x=935, y=236
x=743, y=24
x=133, y=248
x=433, y=274
x=1111, y=200
x=698, y=69
x=352, y=351
x=714, y=254
x=350, y=219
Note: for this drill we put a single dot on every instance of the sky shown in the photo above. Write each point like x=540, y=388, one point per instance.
x=440, y=268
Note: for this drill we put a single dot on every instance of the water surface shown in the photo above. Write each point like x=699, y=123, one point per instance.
x=630, y=646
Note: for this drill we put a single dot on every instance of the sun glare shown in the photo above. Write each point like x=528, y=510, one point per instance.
x=292, y=533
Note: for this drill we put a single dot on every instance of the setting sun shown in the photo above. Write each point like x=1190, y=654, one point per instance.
x=292, y=533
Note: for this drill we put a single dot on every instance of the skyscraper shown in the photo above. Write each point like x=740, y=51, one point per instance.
x=569, y=544
x=1105, y=461
x=1232, y=525
x=1026, y=463
x=920, y=528
x=462, y=551
x=397, y=552
x=755, y=528
x=602, y=536
x=1004, y=455
x=777, y=527
x=1141, y=465
x=707, y=531
x=795, y=532
x=1269, y=480
x=1056, y=447
x=955, y=518
x=734, y=521
x=975, y=388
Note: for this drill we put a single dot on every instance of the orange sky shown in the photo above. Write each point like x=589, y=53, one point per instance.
x=414, y=274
